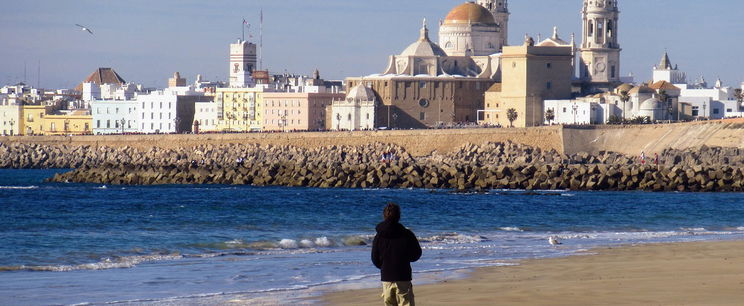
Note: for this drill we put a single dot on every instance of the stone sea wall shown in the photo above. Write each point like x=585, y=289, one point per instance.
x=495, y=165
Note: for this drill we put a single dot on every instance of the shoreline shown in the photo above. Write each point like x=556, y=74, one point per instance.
x=679, y=273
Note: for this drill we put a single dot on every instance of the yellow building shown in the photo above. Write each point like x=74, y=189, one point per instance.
x=75, y=123
x=37, y=120
x=32, y=119
x=241, y=109
x=530, y=74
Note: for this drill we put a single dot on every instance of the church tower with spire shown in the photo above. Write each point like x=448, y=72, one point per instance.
x=500, y=11
x=600, y=51
x=666, y=72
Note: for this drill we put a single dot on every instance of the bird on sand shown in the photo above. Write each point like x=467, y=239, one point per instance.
x=84, y=29
x=553, y=241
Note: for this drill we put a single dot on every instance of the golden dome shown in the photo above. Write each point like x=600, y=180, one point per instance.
x=469, y=13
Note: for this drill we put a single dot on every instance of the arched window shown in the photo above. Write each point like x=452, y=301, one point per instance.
x=448, y=45
x=591, y=28
x=609, y=29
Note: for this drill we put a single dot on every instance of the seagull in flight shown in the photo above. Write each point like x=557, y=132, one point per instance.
x=84, y=29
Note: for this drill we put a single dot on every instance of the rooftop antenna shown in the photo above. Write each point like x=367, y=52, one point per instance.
x=38, y=75
x=242, y=27
x=260, y=45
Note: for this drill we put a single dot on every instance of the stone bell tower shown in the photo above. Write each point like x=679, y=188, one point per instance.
x=600, y=51
x=500, y=11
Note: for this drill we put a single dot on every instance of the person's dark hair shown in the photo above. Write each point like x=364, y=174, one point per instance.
x=391, y=212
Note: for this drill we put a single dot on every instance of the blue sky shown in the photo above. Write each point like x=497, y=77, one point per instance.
x=146, y=41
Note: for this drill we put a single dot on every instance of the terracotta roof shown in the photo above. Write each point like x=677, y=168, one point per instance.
x=663, y=85
x=102, y=76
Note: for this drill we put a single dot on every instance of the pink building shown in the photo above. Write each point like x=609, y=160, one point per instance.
x=304, y=111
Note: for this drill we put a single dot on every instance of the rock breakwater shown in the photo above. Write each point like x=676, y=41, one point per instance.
x=471, y=167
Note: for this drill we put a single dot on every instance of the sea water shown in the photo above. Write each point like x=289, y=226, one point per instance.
x=96, y=244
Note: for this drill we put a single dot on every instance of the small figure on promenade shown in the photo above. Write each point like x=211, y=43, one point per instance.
x=643, y=158
x=393, y=250
x=656, y=159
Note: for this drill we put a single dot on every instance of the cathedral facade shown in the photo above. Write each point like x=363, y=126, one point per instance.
x=432, y=84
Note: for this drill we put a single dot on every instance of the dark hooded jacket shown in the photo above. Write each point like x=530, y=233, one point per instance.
x=393, y=251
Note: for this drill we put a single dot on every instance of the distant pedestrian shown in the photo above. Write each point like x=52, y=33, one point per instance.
x=656, y=159
x=643, y=158
x=393, y=250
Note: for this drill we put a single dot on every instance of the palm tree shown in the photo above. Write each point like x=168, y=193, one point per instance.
x=550, y=115
x=512, y=115
x=739, y=95
x=625, y=97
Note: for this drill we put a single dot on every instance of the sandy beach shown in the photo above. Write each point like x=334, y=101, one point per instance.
x=699, y=273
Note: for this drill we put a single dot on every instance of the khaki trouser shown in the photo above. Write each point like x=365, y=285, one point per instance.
x=398, y=294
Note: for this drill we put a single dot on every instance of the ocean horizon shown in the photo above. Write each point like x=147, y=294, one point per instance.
x=67, y=244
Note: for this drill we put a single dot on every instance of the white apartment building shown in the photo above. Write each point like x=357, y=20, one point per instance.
x=114, y=116
x=10, y=117
x=164, y=111
x=206, y=114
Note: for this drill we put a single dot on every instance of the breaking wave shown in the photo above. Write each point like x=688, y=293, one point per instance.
x=19, y=187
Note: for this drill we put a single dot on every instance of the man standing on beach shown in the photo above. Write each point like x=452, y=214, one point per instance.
x=393, y=250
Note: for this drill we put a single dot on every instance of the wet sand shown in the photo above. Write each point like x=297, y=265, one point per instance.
x=699, y=273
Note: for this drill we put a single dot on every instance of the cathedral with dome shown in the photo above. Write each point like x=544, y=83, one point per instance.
x=470, y=39
x=445, y=82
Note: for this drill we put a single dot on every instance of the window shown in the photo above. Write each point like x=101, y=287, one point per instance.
x=422, y=116
x=549, y=85
x=564, y=109
x=108, y=124
x=715, y=111
x=422, y=84
x=591, y=28
x=550, y=65
x=612, y=71
x=98, y=124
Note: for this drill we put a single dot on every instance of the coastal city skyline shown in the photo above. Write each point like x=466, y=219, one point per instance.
x=275, y=152
x=300, y=37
